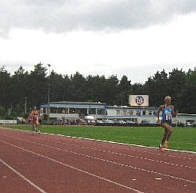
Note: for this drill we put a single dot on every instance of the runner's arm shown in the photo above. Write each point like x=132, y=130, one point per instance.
x=174, y=113
x=158, y=113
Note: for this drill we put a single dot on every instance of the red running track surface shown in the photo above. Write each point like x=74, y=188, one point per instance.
x=31, y=163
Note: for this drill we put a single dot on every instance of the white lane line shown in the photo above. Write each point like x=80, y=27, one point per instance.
x=134, y=150
x=23, y=177
x=152, y=153
x=108, y=161
x=131, y=145
x=143, y=148
x=72, y=167
x=128, y=145
x=112, y=142
x=138, y=157
x=128, y=155
x=122, y=154
x=132, y=156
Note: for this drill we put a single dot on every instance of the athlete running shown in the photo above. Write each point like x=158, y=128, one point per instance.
x=34, y=117
x=166, y=120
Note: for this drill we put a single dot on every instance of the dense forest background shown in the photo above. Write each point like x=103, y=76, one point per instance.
x=31, y=88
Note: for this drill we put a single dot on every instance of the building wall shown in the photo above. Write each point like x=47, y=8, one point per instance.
x=112, y=112
x=64, y=116
x=129, y=112
x=147, y=114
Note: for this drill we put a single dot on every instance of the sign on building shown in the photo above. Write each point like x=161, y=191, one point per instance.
x=8, y=122
x=139, y=100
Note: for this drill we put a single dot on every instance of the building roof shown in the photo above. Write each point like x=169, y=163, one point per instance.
x=78, y=103
x=70, y=104
x=128, y=107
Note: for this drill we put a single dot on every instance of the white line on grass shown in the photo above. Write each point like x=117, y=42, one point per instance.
x=148, y=147
x=105, y=141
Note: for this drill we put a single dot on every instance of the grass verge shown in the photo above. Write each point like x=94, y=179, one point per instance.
x=181, y=139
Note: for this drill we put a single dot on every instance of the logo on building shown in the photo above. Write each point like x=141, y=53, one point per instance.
x=139, y=100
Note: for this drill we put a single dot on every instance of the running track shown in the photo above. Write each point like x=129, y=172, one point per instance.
x=54, y=164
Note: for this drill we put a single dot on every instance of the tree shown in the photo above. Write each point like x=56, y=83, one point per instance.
x=124, y=90
x=34, y=85
x=78, y=87
x=5, y=88
x=157, y=87
x=110, y=90
x=2, y=112
x=37, y=84
x=188, y=98
x=19, y=90
x=176, y=85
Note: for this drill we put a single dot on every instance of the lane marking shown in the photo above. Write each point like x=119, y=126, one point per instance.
x=21, y=176
x=121, y=154
x=125, y=144
x=72, y=167
x=109, y=161
x=104, y=141
x=128, y=155
x=158, y=178
x=133, y=145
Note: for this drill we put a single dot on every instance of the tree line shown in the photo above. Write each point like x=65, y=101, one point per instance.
x=26, y=89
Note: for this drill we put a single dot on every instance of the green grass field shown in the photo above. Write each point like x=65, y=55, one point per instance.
x=182, y=138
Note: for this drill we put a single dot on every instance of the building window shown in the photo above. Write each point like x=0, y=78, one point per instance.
x=72, y=110
x=92, y=111
x=101, y=111
x=64, y=111
x=134, y=119
x=53, y=110
x=155, y=113
x=59, y=110
x=82, y=112
x=138, y=112
x=124, y=112
x=118, y=112
x=44, y=110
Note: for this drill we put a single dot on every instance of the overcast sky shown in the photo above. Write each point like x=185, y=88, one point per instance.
x=106, y=37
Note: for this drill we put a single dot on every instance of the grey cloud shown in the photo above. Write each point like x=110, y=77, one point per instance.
x=66, y=15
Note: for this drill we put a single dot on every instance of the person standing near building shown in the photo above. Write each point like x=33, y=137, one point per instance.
x=166, y=120
x=34, y=117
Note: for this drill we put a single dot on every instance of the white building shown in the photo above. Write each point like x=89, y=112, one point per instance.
x=136, y=114
x=73, y=110
x=144, y=114
x=77, y=110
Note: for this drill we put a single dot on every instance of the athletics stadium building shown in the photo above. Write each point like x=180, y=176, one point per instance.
x=68, y=110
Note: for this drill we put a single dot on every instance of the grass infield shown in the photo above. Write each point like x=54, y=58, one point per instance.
x=181, y=139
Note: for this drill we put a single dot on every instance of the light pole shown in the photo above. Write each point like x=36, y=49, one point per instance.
x=25, y=106
x=48, y=90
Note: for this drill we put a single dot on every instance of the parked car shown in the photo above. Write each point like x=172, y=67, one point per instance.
x=130, y=123
x=99, y=122
x=91, y=122
x=109, y=122
x=189, y=124
x=122, y=122
x=148, y=123
x=181, y=124
x=81, y=122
